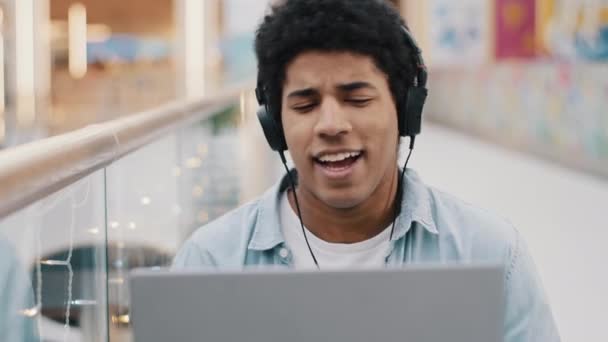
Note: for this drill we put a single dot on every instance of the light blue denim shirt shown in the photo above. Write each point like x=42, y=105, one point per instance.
x=433, y=227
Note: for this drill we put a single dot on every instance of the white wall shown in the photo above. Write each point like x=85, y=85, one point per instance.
x=560, y=212
x=243, y=16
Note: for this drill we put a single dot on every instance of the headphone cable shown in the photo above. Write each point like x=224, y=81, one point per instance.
x=293, y=188
x=396, y=208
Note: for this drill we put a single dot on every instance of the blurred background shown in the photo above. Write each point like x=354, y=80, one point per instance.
x=516, y=122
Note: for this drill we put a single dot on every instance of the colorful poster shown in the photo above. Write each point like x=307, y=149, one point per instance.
x=459, y=33
x=515, y=29
x=557, y=110
x=573, y=29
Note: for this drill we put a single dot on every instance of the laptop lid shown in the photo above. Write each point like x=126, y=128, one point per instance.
x=419, y=304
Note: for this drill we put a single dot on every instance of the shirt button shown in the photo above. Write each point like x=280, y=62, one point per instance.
x=283, y=253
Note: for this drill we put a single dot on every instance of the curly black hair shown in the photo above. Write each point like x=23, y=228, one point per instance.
x=367, y=27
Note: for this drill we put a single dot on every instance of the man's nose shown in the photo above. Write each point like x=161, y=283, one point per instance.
x=333, y=120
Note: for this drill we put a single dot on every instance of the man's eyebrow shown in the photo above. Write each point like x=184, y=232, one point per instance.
x=347, y=87
x=308, y=92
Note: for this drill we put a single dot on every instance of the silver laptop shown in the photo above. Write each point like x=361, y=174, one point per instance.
x=420, y=304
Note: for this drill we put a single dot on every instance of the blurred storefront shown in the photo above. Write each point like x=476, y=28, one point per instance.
x=71, y=63
x=108, y=58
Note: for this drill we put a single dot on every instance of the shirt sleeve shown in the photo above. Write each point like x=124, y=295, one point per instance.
x=528, y=315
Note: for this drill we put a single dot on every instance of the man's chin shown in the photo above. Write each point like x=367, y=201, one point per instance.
x=341, y=199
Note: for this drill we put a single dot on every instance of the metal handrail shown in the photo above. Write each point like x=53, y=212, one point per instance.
x=33, y=171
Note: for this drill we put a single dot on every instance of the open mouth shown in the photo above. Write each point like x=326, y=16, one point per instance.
x=336, y=162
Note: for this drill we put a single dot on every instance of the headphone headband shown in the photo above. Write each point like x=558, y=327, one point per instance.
x=421, y=74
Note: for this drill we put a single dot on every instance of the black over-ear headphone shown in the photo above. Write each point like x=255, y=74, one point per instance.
x=409, y=114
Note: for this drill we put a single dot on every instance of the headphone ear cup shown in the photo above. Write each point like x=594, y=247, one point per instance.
x=402, y=118
x=272, y=130
x=414, y=105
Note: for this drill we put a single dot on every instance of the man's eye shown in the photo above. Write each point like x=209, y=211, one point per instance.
x=304, y=108
x=358, y=102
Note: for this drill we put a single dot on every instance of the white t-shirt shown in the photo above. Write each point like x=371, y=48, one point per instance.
x=370, y=253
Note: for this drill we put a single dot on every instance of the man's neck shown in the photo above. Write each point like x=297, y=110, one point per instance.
x=351, y=225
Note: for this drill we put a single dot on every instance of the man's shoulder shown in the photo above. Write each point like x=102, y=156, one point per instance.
x=223, y=230
x=480, y=231
x=220, y=240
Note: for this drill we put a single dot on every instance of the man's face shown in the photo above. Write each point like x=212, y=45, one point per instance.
x=340, y=123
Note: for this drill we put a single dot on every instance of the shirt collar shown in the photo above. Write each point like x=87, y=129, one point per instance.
x=267, y=230
x=415, y=204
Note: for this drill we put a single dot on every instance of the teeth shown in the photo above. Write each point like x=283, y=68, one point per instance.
x=338, y=156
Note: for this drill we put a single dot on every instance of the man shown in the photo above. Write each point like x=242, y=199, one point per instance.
x=335, y=77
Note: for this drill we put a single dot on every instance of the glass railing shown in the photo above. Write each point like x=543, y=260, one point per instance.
x=53, y=267
x=64, y=259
